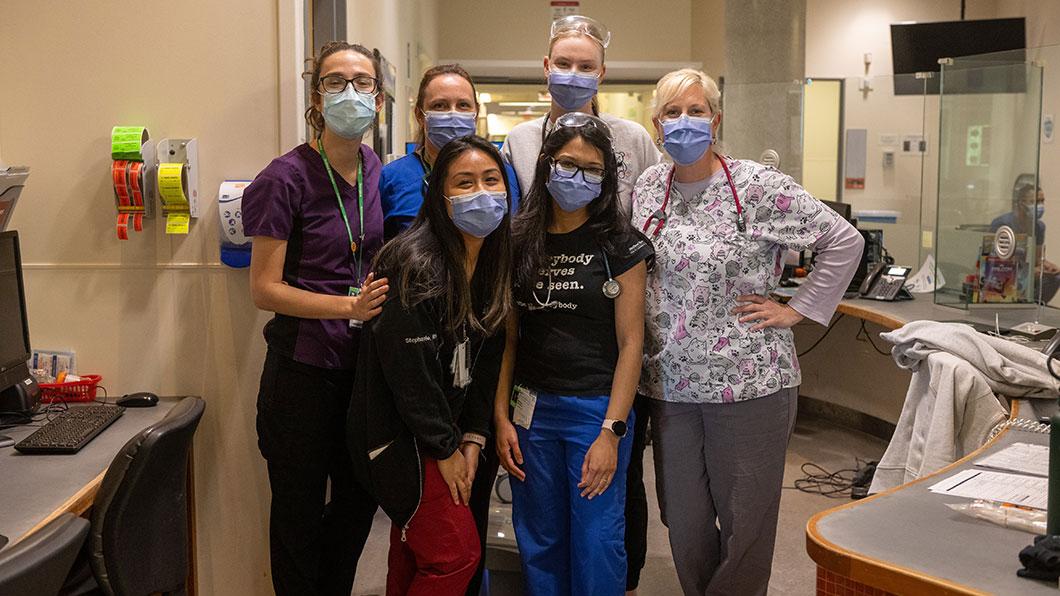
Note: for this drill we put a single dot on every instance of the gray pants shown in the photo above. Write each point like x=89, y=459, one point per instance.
x=719, y=468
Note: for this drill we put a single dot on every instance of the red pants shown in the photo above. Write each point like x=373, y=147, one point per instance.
x=441, y=549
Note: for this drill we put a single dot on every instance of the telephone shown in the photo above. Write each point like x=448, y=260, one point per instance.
x=885, y=282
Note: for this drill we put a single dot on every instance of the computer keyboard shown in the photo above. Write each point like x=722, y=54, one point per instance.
x=70, y=430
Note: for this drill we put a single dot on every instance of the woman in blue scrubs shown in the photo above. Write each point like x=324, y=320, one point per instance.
x=446, y=109
x=574, y=348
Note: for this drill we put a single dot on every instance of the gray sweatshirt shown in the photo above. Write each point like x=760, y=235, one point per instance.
x=634, y=150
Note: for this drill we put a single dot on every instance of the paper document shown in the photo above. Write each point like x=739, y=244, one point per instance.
x=1019, y=457
x=924, y=281
x=1029, y=491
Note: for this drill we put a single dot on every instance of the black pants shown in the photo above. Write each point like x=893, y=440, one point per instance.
x=636, y=498
x=481, y=494
x=314, y=543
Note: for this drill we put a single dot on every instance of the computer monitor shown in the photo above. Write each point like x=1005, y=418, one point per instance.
x=19, y=394
x=843, y=209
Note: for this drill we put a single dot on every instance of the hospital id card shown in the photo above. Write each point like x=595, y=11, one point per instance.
x=459, y=367
x=525, y=400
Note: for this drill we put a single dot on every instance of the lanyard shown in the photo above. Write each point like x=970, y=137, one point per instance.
x=355, y=247
x=426, y=168
x=660, y=215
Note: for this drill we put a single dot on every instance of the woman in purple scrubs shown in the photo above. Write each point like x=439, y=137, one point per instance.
x=315, y=217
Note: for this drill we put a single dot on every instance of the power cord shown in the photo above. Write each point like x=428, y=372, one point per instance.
x=863, y=333
x=820, y=339
x=847, y=482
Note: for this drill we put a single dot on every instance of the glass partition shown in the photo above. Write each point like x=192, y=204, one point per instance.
x=886, y=189
x=989, y=115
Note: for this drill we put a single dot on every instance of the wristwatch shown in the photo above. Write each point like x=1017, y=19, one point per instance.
x=616, y=426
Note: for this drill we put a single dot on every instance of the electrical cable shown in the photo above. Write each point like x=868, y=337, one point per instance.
x=820, y=339
x=819, y=481
x=865, y=332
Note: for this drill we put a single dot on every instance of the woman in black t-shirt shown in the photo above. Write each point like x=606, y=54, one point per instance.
x=574, y=350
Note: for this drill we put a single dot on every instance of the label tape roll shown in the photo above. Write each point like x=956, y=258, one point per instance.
x=126, y=142
x=235, y=246
x=118, y=171
x=136, y=183
x=173, y=186
x=122, y=227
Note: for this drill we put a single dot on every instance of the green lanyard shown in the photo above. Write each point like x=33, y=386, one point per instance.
x=355, y=247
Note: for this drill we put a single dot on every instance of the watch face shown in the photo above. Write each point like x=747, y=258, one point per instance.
x=619, y=428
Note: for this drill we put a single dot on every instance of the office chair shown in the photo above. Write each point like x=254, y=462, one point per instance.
x=138, y=543
x=38, y=565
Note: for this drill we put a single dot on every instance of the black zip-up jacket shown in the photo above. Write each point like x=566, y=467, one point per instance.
x=404, y=406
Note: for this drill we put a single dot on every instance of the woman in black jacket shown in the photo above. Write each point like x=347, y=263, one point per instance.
x=428, y=365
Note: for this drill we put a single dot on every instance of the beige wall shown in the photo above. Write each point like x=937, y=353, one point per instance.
x=152, y=313
x=157, y=312
x=490, y=30
x=838, y=34
x=406, y=33
x=708, y=35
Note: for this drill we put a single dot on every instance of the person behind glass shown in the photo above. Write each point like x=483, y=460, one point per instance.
x=574, y=68
x=720, y=363
x=316, y=224
x=574, y=350
x=446, y=109
x=428, y=368
x=1028, y=207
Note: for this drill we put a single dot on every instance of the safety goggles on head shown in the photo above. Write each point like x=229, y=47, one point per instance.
x=579, y=119
x=585, y=25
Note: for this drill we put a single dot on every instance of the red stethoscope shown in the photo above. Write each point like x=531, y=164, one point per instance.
x=660, y=214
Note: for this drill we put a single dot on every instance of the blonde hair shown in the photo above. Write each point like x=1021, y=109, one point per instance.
x=677, y=82
x=575, y=33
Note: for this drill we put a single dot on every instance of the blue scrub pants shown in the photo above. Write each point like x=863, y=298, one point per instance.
x=567, y=543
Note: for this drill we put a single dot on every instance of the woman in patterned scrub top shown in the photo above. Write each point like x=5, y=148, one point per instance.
x=719, y=354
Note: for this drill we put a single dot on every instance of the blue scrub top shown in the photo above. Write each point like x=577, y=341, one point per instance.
x=401, y=190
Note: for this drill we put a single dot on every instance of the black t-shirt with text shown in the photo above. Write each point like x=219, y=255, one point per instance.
x=567, y=342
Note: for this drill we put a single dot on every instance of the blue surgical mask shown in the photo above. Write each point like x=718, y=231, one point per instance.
x=572, y=192
x=349, y=114
x=479, y=213
x=1039, y=210
x=572, y=90
x=443, y=127
x=687, y=138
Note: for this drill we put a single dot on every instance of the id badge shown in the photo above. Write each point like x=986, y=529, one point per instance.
x=354, y=291
x=525, y=401
x=461, y=374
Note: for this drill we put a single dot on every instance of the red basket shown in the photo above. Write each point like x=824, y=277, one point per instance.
x=77, y=391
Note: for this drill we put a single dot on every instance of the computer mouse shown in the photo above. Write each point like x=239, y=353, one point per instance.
x=143, y=399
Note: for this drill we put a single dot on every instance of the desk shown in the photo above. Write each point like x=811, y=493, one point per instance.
x=38, y=488
x=893, y=315
x=906, y=541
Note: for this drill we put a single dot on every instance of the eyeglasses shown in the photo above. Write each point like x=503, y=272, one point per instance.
x=585, y=25
x=565, y=168
x=578, y=119
x=334, y=83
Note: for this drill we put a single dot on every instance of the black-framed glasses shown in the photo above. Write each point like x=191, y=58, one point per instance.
x=334, y=83
x=565, y=168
